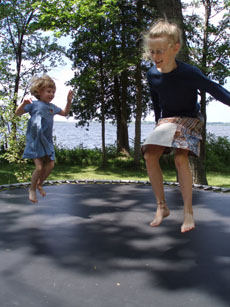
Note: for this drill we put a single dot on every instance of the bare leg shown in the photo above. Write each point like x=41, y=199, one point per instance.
x=152, y=154
x=185, y=180
x=41, y=190
x=48, y=166
x=34, y=180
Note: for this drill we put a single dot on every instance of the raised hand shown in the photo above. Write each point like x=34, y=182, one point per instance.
x=70, y=96
x=27, y=100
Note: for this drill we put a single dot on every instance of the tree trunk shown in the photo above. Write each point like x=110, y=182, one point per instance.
x=138, y=77
x=137, y=144
x=118, y=109
x=172, y=10
x=102, y=90
x=198, y=165
x=121, y=116
x=123, y=141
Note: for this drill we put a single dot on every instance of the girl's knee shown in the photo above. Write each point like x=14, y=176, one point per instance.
x=38, y=165
x=48, y=163
x=39, y=168
x=51, y=165
x=148, y=155
x=181, y=159
x=152, y=153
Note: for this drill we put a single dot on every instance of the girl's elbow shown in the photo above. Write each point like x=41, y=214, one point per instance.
x=66, y=112
x=19, y=111
x=63, y=113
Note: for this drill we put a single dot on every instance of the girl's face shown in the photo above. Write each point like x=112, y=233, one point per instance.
x=163, y=53
x=47, y=94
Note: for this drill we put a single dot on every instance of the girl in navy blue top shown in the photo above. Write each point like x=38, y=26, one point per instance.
x=39, y=135
x=174, y=87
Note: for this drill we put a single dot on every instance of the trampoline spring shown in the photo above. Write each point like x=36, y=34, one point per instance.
x=216, y=189
x=197, y=186
x=116, y=181
x=170, y=183
x=90, y=181
x=125, y=181
x=81, y=181
x=225, y=190
x=98, y=181
x=207, y=188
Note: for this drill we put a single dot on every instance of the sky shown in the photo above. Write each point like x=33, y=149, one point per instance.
x=61, y=75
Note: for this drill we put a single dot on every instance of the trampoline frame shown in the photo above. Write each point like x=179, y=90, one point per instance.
x=96, y=181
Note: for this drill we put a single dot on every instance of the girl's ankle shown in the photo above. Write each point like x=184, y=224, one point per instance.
x=161, y=204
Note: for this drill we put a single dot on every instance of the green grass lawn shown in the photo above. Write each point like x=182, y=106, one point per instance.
x=68, y=172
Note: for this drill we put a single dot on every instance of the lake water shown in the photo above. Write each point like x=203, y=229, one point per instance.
x=67, y=135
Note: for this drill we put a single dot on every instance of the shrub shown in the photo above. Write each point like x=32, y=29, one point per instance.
x=77, y=156
x=12, y=141
x=217, y=153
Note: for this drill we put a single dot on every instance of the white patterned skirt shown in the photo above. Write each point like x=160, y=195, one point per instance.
x=177, y=132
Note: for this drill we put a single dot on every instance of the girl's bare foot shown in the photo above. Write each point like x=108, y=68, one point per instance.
x=162, y=212
x=33, y=196
x=189, y=223
x=41, y=191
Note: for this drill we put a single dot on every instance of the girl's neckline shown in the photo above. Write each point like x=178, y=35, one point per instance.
x=170, y=72
x=44, y=102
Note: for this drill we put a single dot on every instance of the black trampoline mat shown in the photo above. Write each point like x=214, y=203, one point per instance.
x=89, y=245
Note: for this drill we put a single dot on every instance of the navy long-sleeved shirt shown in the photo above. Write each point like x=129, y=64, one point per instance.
x=175, y=93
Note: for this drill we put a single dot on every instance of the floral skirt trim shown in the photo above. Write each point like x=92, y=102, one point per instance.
x=177, y=132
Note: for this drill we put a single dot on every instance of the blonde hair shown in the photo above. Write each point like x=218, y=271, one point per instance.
x=39, y=83
x=160, y=29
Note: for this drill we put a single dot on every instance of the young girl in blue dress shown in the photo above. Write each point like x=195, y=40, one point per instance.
x=39, y=135
x=174, y=89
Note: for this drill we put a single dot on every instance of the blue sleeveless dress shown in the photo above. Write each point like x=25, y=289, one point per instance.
x=39, y=135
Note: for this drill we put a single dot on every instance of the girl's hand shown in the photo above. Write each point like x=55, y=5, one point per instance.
x=20, y=109
x=70, y=96
x=66, y=110
x=27, y=100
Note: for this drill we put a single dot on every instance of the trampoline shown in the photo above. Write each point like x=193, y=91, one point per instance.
x=89, y=245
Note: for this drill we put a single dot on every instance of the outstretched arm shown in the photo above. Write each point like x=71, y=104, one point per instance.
x=20, y=109
x=213, y=88
x=66, y=110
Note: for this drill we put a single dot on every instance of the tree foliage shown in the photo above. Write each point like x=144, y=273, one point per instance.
x=24, y=49
x=13, y=147
x=207, y=31
x=105, y=52
x=107, y=42
x=24, y=52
